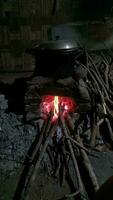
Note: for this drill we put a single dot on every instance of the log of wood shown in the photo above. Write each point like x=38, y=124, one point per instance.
x=58, y=166
x=94, y=133
x=79, y=180
x=72, y=195
x=78, y=144
x=109, y=129
x=37, y=165
x=86, y=162
x=110, y=132
x=45, y=129
x=88, y=166
x=98, y=77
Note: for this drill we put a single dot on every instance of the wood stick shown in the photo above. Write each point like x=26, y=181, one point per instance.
x=91, y=75
x=94, y=132
x=98, y=76
x=37, y=165
x=44, y=130
x=58, y=167
x=40, y=159
x=109, y=129
x=106, y=73
x=50, y=155
x=71, y=124
x=80, y=184
x=63, y=174
x=88, y=165
x=106, y=119
x=62, y=169
x=110, y=112
x=25, y=170
x=34, y=170
x=72, y=195
x=78, y=144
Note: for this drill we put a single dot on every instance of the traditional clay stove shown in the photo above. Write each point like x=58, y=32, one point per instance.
x=55, y=93
x=56, y=76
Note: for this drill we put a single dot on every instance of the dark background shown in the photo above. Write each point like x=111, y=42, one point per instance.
x=24, y=22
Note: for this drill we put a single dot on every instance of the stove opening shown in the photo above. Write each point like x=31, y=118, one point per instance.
x=57, y=105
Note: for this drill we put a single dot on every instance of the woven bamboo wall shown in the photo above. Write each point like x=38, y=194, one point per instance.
x=22, y=22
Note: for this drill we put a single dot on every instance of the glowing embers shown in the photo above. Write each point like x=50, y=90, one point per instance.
x=57, y=104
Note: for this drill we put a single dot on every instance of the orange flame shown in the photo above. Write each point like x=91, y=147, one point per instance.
x=54, y=103
x=56, y=107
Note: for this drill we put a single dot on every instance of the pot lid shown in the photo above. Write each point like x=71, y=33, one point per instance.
x=57, y=45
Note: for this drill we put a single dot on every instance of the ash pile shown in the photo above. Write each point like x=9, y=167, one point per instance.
x=15, y=139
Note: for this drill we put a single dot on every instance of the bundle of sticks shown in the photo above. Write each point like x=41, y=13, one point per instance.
x=69, y=147
x=99, y=81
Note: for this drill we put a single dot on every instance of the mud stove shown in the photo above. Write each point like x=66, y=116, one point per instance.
x=57, y=100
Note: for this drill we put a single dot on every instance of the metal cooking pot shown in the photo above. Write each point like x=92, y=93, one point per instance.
x=55, y=58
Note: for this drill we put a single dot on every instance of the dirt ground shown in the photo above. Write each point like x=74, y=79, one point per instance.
x=48, y=188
